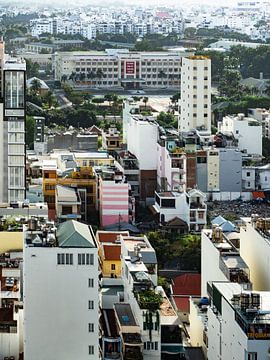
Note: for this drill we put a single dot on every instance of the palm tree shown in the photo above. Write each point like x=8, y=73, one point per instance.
x=64, y=78
x=72, y=76
x=82, y=76
x=91, y=75
x=162, y=75
x=99, y=75
x=35, y=85
x=49, y=98
x=145, y=101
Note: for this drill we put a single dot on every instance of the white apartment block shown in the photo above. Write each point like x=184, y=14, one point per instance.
x=120, y=67
x=226, y=263
x=195, y=101
x=247, y=131
x=238, y=323
x=255, y=250
x=190, y=207
x=142, y=137
x=171, y=166
x=61, y=296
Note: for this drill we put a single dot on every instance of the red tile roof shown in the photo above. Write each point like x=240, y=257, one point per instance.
x=112, y=252
x=187, y=284
x=110, y=237
x=182, y=303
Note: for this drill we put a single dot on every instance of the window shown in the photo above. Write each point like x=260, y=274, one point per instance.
x=91, y=305
x=91, y=283
x=205, y=115
x=85, y=259
x=237, y=131
x=248, y=173
x=91, y=327
x=156, y=345
x=64, y=259
x=91, y=349
x=252, y=356
x=112, y=266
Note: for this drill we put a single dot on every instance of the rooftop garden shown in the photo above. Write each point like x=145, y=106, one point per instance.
x=149, y=300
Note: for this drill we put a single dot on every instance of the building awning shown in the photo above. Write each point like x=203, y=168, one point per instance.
x=132, y=80
x=258, y=195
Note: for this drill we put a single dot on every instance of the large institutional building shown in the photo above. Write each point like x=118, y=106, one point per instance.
x=115, y=68
x=12, y=127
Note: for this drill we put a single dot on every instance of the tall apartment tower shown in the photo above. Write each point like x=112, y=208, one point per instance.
x=195, y=100
x=12, y=127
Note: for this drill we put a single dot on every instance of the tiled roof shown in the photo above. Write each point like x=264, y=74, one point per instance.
x=187, y=284
x=109, y=236
x=182, y=303
x=112, y=252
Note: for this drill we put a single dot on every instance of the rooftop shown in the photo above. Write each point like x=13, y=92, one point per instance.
x=75, y=234
x=124, y=314
x=109, y=236
x=112, y=252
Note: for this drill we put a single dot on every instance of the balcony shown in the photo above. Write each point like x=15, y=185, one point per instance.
x=197, y=205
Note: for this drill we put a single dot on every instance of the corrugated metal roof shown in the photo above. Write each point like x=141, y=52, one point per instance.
x=75, y=234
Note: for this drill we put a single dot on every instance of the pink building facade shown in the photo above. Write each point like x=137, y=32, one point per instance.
x=113, y=202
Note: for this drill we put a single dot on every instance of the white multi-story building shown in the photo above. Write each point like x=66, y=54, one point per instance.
x=142, y=137
x=172, y=165
x=247, y=131
x=255, y=250
x=119, y=67
x=60, y=292
x=226, y=263
x=195, y=101
x=189, y=207
x=12, y=128
x=238, y=323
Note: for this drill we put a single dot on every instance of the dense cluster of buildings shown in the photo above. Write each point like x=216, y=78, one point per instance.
x=59, y=276
x=110, y=21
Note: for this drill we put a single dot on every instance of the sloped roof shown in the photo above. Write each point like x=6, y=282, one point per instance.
x=75, y=234
x=65, y=193
x=122, y=226
x=218, y=220
x=228, y=226
x=187, y=284
x=176, y=221
x=182, y=303
x=112, y=252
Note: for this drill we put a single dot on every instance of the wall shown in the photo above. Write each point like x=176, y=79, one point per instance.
x=56, y=305
x=229, y=196
x=11, y=240
x=210, y=269
x=230, y=170
x=255, y=251
x=106, y=268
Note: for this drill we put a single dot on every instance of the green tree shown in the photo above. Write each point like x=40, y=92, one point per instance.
x=29, y=131
x=35, y=85
x=229, y=85
x=32, y=68
x=145, y=101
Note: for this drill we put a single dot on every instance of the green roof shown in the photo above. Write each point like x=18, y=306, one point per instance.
x=75, y=234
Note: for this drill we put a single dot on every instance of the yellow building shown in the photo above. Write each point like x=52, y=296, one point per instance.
x=109, y=250
x=11, y=241
x=110, y=260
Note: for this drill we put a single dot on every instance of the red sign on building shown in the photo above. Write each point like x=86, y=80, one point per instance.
x=130, y=67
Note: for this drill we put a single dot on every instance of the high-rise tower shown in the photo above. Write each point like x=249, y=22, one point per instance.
x=195, y=101
x=12, y=127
